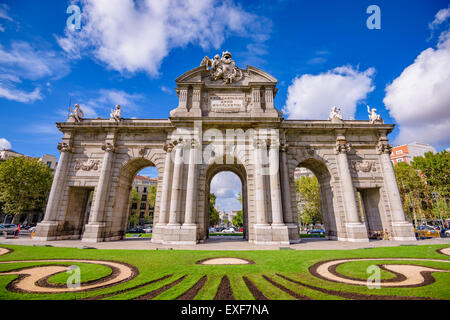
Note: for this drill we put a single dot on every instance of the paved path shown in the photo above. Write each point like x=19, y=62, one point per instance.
x=230, y=243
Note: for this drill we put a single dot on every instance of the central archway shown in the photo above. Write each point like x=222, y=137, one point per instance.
x=123, y=194
x=212, y=171
x=320, y=171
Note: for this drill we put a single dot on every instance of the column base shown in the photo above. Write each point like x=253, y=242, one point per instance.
x=293, y=233
x=46, y=231
x=356, y=232
x=175, y=234
x=93, y=232
x=403, y=231
x=271, y=234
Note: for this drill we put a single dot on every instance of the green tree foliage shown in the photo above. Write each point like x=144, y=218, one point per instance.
x=151, y=196
x=24, y=185
x=309, y=193
x=238, y=219
x=214, y=217
x=435, y=167
x=419, y=180
x=413, y=191
x=133, y=217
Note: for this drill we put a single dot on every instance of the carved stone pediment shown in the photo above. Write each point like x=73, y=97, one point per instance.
x=218, y=88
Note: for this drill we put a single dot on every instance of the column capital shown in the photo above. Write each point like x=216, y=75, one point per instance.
x=194, y=143
x=64, y=147
x=342, y=146
x=384, y=147
x=284, y=147
x=168, y=147
x=109, y=147
x=260, y=143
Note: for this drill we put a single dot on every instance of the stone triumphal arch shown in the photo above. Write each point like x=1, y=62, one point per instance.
x=225, y=120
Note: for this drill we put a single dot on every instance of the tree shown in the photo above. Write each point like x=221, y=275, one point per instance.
x=309, y=196
x=434, y=168
x=133, y=217
x=24, y=185
x=214, y=217
x=152, y=196
x=413, y=190
x=238, y=220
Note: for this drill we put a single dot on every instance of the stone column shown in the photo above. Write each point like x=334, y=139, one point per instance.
x=256, y=100
x=356, y=230
x=286, y=197
x=188, y=232
x=175, y=198
x=261, y=217
x=164, y=206
x=196, y=99
x=95, y=228
x=402, y=229
x=191, y=186
x=275, y=190
x=182, y=106
x=280, y=232
x=46, y=230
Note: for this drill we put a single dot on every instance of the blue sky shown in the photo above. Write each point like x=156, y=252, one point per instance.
x=129, y=52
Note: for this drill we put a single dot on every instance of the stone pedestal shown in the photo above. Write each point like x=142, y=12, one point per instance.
x=93, y=232
x=275, y=234
x=403, y=231
x=46, y=231
x=356, y=232
x=172, y=234
x=292, y=229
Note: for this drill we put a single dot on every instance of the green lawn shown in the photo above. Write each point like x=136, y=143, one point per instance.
x=176, y=264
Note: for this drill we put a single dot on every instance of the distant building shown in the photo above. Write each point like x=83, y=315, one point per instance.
x=49, y=160
x=302, y=172
x=407, y=152
x=142, y=184
x=227, y=216
x=8, y=154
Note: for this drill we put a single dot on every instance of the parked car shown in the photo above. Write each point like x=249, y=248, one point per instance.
x=148, y=230
x=9, y=229
x=136, y=230
x=426, y=231
x=447, y=233
x=316, y=231
x=212, y=230
x=229, y=230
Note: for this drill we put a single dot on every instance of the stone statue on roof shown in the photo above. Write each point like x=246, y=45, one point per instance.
x=76, y=113
x=222, y=68
x=374, y=117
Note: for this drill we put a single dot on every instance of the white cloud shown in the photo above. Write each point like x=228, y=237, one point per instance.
x=440, y=17
x=4, y=12
x=4, y=144
x=312, y=96
x=19, y=95
x=419, y=99
x=22, y=61
x=130, y=36
x=226, y=186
